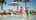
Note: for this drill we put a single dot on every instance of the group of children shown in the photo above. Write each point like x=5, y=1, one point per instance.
x=27, y=11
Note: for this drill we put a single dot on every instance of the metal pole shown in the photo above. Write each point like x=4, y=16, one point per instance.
x=2, y=7
x=25, y=6
x=17, y=5
x=17, y=2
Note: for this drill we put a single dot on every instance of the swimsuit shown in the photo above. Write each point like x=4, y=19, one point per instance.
x=27, y=12
x=21, y=10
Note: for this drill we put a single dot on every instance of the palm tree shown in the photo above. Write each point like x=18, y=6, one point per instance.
x=2, y=2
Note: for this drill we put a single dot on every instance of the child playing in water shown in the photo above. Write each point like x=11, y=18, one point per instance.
x=21, y=11
x=28, y=12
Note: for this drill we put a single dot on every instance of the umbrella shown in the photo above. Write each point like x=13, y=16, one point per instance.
x=14, y=4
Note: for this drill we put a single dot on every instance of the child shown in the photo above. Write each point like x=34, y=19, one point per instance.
x=28, y=12
x=21, y=10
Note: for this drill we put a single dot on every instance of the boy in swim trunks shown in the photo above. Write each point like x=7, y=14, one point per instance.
x=28, y=12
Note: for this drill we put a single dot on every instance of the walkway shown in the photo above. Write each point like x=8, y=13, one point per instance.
x=17, y=17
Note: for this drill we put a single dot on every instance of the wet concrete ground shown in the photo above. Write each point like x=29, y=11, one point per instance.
x=17, y=17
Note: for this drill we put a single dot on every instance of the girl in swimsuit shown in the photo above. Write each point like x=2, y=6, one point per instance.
x=21, y=11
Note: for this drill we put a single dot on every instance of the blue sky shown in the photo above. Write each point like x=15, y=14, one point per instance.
x=31, y=4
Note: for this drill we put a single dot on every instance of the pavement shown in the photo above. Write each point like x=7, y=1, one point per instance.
x=17, y=17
